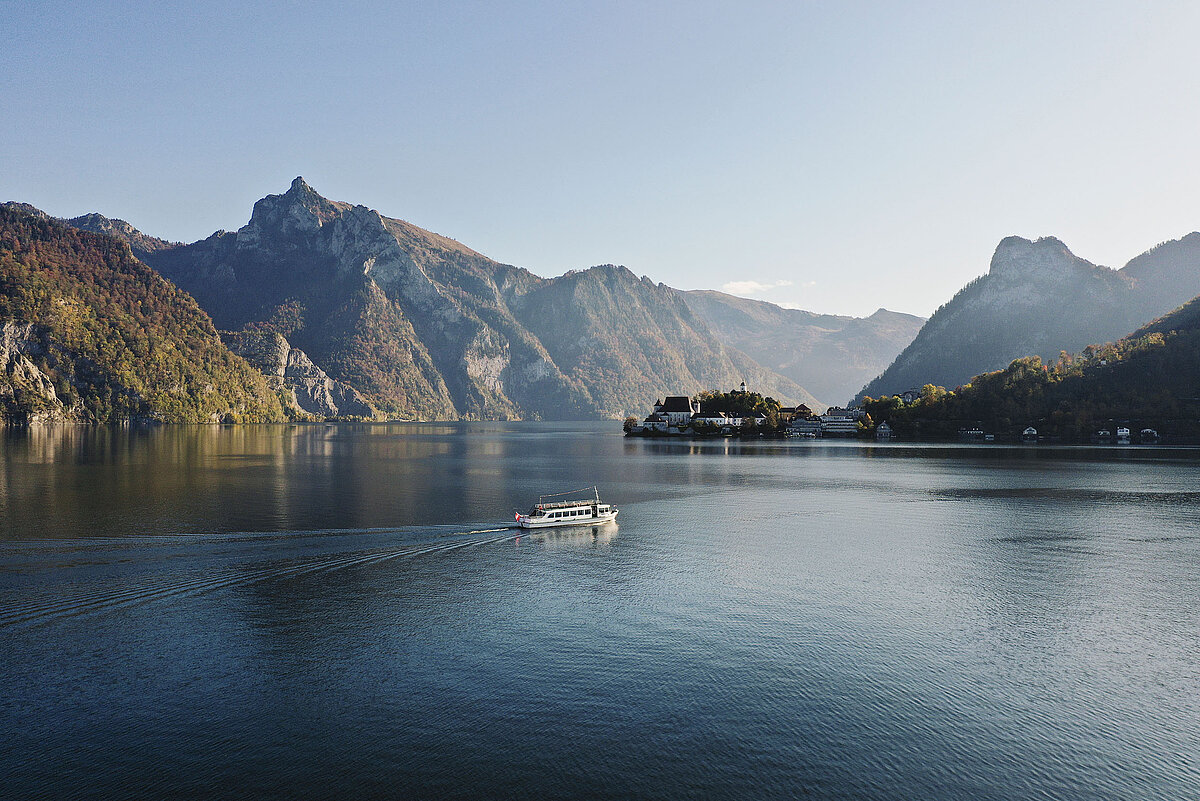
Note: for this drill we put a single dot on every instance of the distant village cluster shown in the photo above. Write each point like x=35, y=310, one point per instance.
x=680, y=415
x=755, y=416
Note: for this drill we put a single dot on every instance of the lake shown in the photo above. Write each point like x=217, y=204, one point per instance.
x=343, y=611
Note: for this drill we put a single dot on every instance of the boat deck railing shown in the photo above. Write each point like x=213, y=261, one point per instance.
x=566, y=504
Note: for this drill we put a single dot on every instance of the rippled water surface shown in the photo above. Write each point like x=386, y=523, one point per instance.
x=343, y=611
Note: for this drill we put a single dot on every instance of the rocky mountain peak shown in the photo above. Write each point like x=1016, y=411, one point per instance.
x=1020, y=260
x=26, y=208
x=300, y=211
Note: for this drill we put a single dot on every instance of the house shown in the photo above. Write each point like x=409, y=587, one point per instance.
x=805, y=426
x=883, y=431
x=718, y=419
x=909, y=395
x=838, y=425
x=789, y=413
x=655, y=422
x=854, y=413
x=678, y=410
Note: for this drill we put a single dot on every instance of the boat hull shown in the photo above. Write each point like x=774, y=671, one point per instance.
x=526, y=522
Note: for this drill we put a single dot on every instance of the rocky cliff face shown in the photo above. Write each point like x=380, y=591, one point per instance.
x=1039, y=298
x=830, y=355
x=290, y=372
x=24, y=388
x=427, y=328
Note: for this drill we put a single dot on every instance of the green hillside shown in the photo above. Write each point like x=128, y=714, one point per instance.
x=91, y=334
x=1149, y=379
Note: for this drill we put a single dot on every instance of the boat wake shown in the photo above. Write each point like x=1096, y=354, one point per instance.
x=47, y=610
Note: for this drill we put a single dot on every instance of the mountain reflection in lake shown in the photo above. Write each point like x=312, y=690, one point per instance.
x=343, y=611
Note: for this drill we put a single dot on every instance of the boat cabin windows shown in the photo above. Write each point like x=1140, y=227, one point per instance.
x=588, y=511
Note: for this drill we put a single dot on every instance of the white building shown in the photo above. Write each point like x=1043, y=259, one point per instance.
x=655, y=422
x=718, y=419
x=838, y=425
x=678, y=409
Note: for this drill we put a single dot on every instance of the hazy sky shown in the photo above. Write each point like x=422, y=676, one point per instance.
x=834, y=156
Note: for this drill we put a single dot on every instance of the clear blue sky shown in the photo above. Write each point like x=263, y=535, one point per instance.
x=845, y=156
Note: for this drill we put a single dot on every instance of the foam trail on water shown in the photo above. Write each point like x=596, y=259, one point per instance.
x=37, y=612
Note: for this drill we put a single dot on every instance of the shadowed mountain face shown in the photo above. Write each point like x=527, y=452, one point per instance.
x=1146, y=380
x=1040, y=299
x=830, y=355
x=425, y=327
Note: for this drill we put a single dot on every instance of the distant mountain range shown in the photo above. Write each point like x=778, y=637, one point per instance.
x=830, y=355
x=343, y=312
x=347, y=313
x=424, y=327
x=1038, y=298
x=421, y=326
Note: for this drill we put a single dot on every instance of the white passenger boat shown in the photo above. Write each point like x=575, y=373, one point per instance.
x=578, y=512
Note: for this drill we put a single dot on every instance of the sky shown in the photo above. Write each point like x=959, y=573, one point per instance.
x=838, y=157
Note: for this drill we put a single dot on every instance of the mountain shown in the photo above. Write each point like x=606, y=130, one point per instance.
x=424, y=327
x=1038, y=298
x=88, y=333
x=1147, y=379
x=832, y=356
x=141, y=244
x=303, y=386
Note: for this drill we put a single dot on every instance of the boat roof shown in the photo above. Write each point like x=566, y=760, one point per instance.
x=593, y=498
x=564, y=504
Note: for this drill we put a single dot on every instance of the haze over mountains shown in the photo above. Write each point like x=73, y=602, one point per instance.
x=830, y=355
x=1039, y=298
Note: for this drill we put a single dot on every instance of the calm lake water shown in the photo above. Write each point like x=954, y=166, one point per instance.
x=343, y=612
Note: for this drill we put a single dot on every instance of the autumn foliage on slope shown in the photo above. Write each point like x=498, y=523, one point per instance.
x=116, y=340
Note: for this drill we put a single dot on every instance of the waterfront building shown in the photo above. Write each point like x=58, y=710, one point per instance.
x=678, y=409
x=655, y=422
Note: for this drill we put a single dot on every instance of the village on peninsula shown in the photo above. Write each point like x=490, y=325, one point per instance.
x=741, y=413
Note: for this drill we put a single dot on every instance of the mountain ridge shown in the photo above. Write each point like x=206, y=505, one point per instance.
x=831, y=355
x=426, y=327
x=1039, y=298
x=1145, y=380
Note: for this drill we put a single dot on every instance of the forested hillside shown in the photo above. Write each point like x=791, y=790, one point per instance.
x=91, y=334
x=1148, y=379
x=1038, y=299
